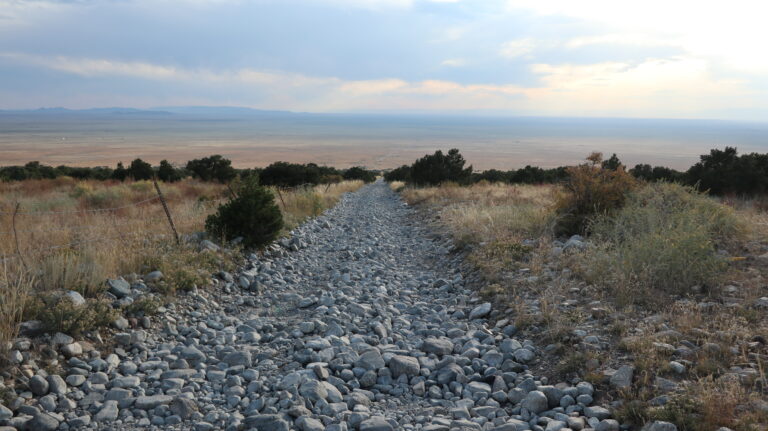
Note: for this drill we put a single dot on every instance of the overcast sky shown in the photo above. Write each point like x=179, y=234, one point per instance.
x=655, y=58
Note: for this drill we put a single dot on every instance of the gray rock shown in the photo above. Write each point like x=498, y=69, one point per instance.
x=376, y=423
x=404, y=365
x=368, y=379
x=524, y=356
x=480, y=311
x=622, y=378
x=56, y=384
x=206, y=245
x=313, y=390
x=659, y=426
x=70, y=350
x=5, y=413
x=183, y=407
x=238, y=358
x=370, y=360
x=118, y=287
x=120, y=323
x=192, y=353
x=31, y=328
x=268, y=422
x=75, y=380
x=306, y=423
x=43, y=422
x=108, y=412
x=153, y=276
x=597, y=412
x=607, y=425
x=79, y=422
x=75, y=297
x=535, y=402
x=38, y=385
x=150, y=402
x=555, y=426
x=438, y=346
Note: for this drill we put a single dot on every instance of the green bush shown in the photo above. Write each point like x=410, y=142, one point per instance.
x=59, y=314
x=432, y=170
x=212, y=168
x=252, y=214
x=359, y=173
x=664, y=238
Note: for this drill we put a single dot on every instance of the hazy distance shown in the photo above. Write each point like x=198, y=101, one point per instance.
x=256, y=138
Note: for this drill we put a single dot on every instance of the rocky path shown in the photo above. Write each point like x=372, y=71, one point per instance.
x=361, y=321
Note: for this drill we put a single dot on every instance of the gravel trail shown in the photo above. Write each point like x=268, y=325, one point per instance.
x=361, y=321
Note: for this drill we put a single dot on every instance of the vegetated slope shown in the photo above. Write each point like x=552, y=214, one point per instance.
x=663, y=308
x=362, y=320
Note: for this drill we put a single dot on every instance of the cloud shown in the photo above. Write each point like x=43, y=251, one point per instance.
x=290, y=89
x=627, y=39
x=529, y=56
x=454, y=62
x=517, y=48
x=372, y=87
x=681, y=86
x=730, y=33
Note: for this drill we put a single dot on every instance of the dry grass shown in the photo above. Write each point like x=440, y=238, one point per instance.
x=63, y=244
x=640, y=270
x=664, y=239
x=493, y=221
x=303, y=203
x=488, y=213
x=397, y=185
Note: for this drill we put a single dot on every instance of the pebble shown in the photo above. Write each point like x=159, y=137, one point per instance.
x=361, y=320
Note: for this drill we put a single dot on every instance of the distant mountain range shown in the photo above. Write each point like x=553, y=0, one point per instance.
x=228, y=111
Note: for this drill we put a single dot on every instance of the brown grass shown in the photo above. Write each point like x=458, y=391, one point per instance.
x=67, y=245
x=641, y=263
x=486, y=212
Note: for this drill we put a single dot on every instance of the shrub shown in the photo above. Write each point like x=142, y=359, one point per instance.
x=120, y=173
x=438, y=168
x=252, y=214
x=358, y=173
x=59, y=314
x=166, y=172
x=724, y=171
x=140, y=170
x=590, y=190
x=656, y=173
x=664, y=238
x=144, y=306
x=212, y=168
x=283, y=174
x=403, y=173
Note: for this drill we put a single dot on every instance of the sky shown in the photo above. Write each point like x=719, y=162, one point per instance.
x=595, y=58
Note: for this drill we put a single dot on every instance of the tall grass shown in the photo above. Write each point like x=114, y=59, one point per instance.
x=305, y=202
x=14, y=287
x=64, y=245
x=492, y=219
x=665, y=238
x=485, y=212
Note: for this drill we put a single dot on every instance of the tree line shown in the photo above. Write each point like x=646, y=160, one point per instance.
x=720, y=172
x=213, y=168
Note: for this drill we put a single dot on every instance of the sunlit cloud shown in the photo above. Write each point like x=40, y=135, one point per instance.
x=662, y=86
x=592, y=57
x=517, y=48
x=454, y=62
x=731, y=33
